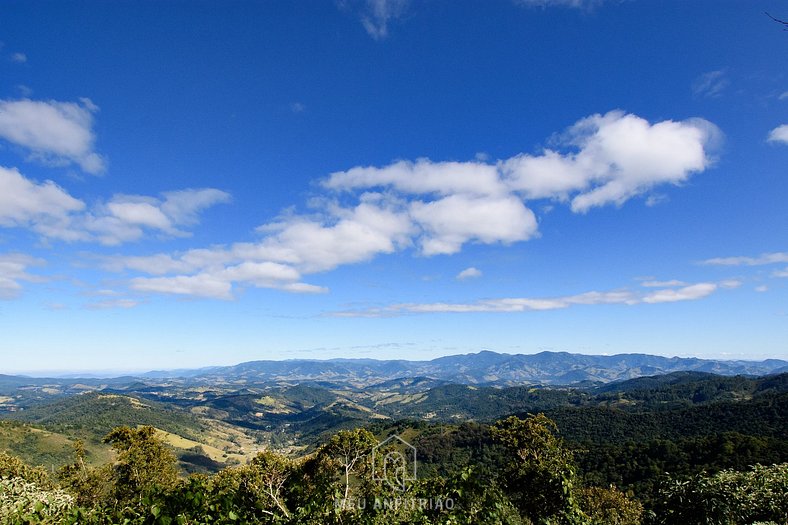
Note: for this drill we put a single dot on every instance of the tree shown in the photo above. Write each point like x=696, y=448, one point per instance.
x=609, y=506
x=269, y=473
x=541, y=476
x=144, y=464
x=89, y=485
x=349, y=449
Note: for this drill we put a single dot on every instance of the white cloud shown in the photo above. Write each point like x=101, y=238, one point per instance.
x=13, y=269
x=136, y=211
x=762, y=288
x=763, y=259
x=376, y=15
x=779, y=134
x=577, y=4
x=218, y=284
x=616, y=156
x=527, y=304
x=783, y=95
x=27, y=203
x=19, y=58
x=423, y=177
x=450, y=222
x=202, y=285
x=112, y=304
x=662, y=284
x=437, y=207
x=469, y=273
x=710, y=84
x=780, y=273
x=655, y=199
x=620, y=156
x=55, y=132
x=730, y=283
x=687, y=293
x=126, y=217
x=53, y=213
x=348, y=236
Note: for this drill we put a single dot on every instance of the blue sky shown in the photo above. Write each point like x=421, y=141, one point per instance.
x=196, y=183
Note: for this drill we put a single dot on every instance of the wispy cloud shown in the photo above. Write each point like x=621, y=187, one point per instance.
x=56, y=133
x=13, y=269
x=710, y=84
x=687, y=293
x=19, y=58
x=765, y=258
x=779, y=134
x=528, y=304
x=469, y=273
x=111, y=304
x=376, y=15
x=577, y=4
x=662, y=284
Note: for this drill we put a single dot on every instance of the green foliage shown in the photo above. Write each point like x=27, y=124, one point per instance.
x=518, y=471
x=13, y=467
x=98, y=414
x=609, y=507
x=22, y=502
x=540, y=478
x=726, y=498
x=144, y=464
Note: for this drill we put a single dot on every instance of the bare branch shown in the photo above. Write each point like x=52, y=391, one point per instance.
x=783, y=22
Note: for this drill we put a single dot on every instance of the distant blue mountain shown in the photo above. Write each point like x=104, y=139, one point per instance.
x=486, y=367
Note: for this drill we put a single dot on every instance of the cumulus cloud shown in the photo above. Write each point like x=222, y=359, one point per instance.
x=27, y=203
x=433, y=207
x=59, y=133
x=619, y=156
x=292, y=247
x=13, y=269
x=710, y=84
x=52, y=212
x=763, y=259
x=779, y=134
x=469, y=273
x=527, y=304
x=450, y=222
x=423, y=177
x=610, y=159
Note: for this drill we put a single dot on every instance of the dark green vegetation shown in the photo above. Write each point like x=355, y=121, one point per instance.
x=528, y=476
x=661, y=441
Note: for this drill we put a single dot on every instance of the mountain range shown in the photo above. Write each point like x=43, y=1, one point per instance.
x=482, y=368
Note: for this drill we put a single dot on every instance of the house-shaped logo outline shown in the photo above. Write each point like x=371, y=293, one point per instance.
x=409, y=457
